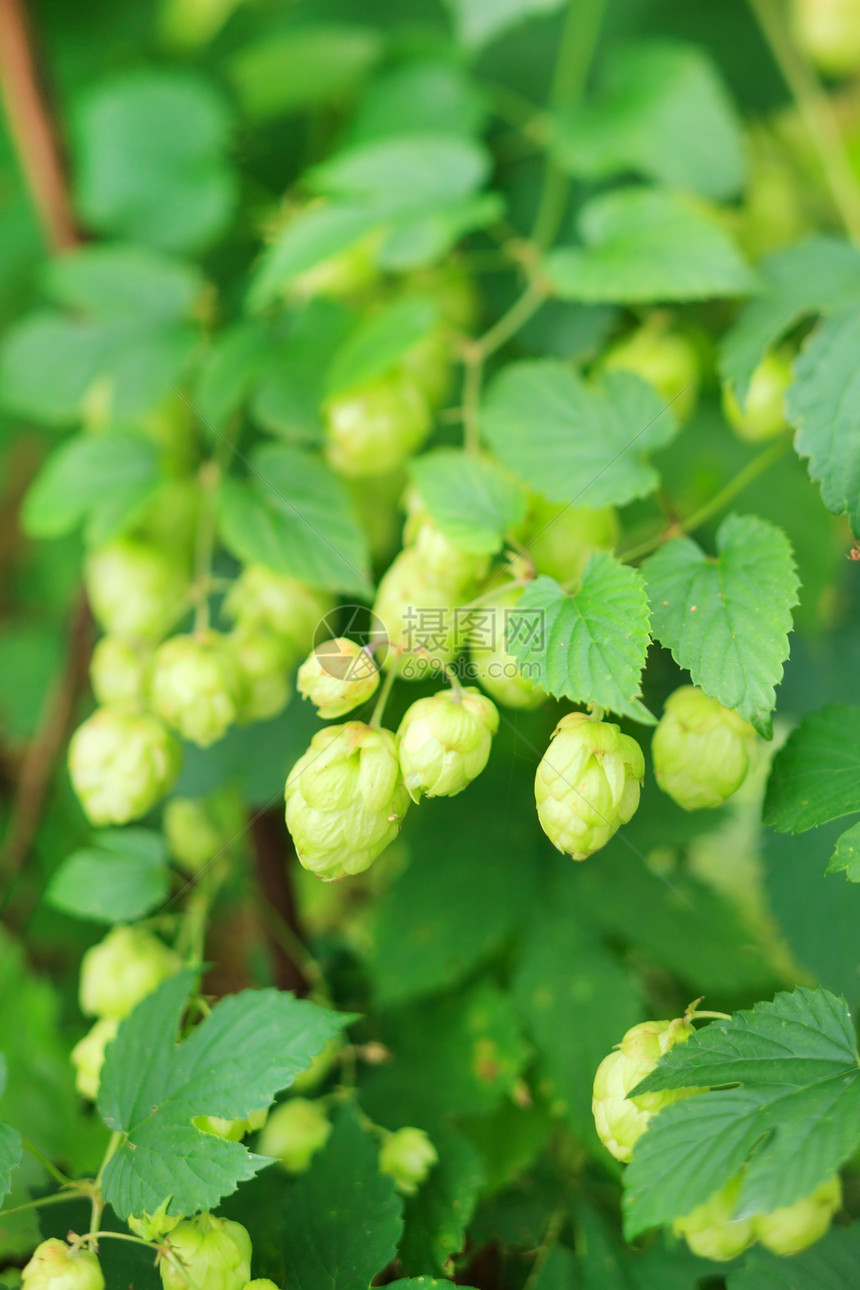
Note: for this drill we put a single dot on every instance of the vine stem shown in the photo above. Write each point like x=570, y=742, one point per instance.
x=742, y=480
x=55, y=1198
x=209, y=478
x=816, y=112
x=385, y=690
x=98, y=1203
x=578, y=43
x=49, y=1165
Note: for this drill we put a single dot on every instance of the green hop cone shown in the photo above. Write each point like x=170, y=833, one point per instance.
x=154, y=1227
x=829, y=32
x=763, y=414
x=440, y=559
x=498, y=671
x=88, y=1056
x=445, y=741
x=408, y=1156
x=295, y=1131
x=122, y=969
x=701, y=750
x=119, y=672
x=337, y=676
x=262, y=1283
x=135, y=590
x=621, y=1120
x=56, y=1266
x=587, y=784
x=196, y=686
x=263, y=659
x=121, y=763
x=345, y=799
x=211, y=1254
x=309, y=1080
x=561, y=539
x=665, y=359
x=289, y=608
x=792, y=1228
x=377, y=426
x=197, y=830
x=710, y=1230
x=416, y=614
x=230, y=1130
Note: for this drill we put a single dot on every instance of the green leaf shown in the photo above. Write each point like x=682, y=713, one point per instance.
x=342, y=1222
x=783, y=1101
x=119, y=879
x=437, y=1217
x=314, y=236
x=822, y=406
x=830, y=1264
x=303, y=68
x=727, y=619
x=846, y=855
x=294, y=517
x=379, y=341
x=229, y=371
x=419, y=238
x=589, y=646
x=151, y=149
x=251, y=1046
x=289, y=394
x=819, y=276
x=480, y=21
x=97, y=479
x=11, y=1151
x=576, y=1000
x=643, y=245
x=121, y=281
x=444, y=915
x=574, y=442
x=815, y=776
x=661, y=111
x=431, y=94
x=471, y=499
x=414, y=172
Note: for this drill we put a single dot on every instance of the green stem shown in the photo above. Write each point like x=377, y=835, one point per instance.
x=510, y=323
x=816, y=112
x=98, y=1203
x=742, y=480
x=51, y=1168
x=578, y=42
x=55, y=1199
x=711, y=1016
x=190, y=943
x=384, y=691
x=550, y=1240
x=473, y=374
x=210, y=477
x=293, y=946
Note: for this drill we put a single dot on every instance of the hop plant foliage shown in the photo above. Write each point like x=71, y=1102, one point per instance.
x=447, y=420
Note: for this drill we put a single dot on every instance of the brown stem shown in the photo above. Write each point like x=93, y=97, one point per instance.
x=43, y=753
x=31, y=128
x=273, y=854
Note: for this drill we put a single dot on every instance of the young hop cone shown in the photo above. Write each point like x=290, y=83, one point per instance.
x=135, y=589
x=118, y=672
x=587, y=784
x=440, y=559
x=155, y=1226
x=122, y=969
x=121, y=763
x=793, y=1228
x=621, y=1120
x=763, y=415
x=701, y=750
x=417, y=615
x=561, y=539
x=263, y=659
x=376, y=426
x=289, y=608
x=665, y=359
x=710, y=1230
x=295, y=1131
x=408, y=1156
x=196, y=686
x=445, y=741
x=230, y=1130
x=88, y=1056
x=337, y=676
x=498, y=671
x=213, y=1254
x=56, y=1266
x=345, y=799
x=829, y=31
